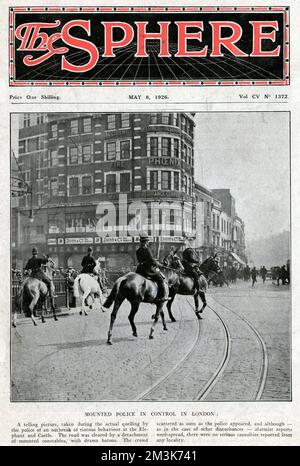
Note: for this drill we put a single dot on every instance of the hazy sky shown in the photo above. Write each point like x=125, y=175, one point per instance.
x=248, y=153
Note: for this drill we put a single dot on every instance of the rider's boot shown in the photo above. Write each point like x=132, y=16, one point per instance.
x=162, y=292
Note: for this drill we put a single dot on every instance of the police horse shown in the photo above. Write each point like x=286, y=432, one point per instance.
x=87, y=286
x=137, y=289
x=32, y=295
x=181, y=283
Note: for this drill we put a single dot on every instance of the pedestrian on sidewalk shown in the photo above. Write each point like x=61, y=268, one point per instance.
x=254, y=276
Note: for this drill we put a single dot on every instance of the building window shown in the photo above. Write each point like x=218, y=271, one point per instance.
x=111, y=186
x=40, y=119
x=74, y=127
x=86, y=154
x=153, y=119
x=73, y=155
x=176, y=148
x=125, y=121
x=33, y=144
x=165, y=118
x=154, y=180
x=124, y=182
x=190, y=186
x=73, y=186
x=153, y=147
x=54, y=187
x=86, y=185
x=184, y=152
x=87, y=125
x=176, y=181
x=184, y=123
x=166, y=180
x=184, y=183
x=125, y=150
x=218, y=222
x=176, y=119
x=22, y=146
x=53, y=158
x=189, y=155
x=166, y=147
x=111, y=151
x=111, y=121
x=54, y=131
x=26, y=120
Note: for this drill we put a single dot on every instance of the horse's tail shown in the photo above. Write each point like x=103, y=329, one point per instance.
x=114, y=292
x=76, y=287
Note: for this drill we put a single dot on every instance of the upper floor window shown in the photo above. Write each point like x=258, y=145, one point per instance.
x=74, y=186
x=165, y=180
x=111, y=184
x=54, y=187
x=125, y=120
x=153, y=119
x=176, y=181
x=53, y=158
x=166, y=147
x=87, y=125
x=153, y=180
x=124, y=182
x=176, y=119
x=26, y=120
x=54, y=130
x=73, y=155
x=74, y=127
x=86, y=154
x=153, y=147
x=125, y=149
x=176, y=148
x=86, y=184
x=165, y=118
x=111, y=151
x=111, y=121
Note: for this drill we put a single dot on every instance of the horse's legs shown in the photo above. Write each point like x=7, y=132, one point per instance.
x=113, y=315
x=44, y=309
x=169, y=306
x=83, y=301
x=14, y=322
x=32, y=305
x=134, y=309
x=158, y=312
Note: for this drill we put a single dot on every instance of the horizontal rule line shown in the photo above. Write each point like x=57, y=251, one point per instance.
x=152, y=103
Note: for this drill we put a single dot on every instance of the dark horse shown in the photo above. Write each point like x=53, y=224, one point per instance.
x=137, y=289
x=181, y=283
x=32, y=295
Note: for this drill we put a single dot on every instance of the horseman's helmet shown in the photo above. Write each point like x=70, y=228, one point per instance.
x=144, y=237
x=34, y=251
x=90, y=249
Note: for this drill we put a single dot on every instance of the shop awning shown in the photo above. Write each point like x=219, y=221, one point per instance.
x=238, y=259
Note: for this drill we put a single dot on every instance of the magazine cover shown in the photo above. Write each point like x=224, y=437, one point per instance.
x=149, y=226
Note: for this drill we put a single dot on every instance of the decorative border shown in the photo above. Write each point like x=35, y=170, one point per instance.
x=137, y=9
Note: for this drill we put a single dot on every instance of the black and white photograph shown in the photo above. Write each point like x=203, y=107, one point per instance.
x=150, y=257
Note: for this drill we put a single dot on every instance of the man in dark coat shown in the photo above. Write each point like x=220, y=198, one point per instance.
x=35, y=265
x=254, y=273
x=88, y=262
x=148, y=267
x=190, y=263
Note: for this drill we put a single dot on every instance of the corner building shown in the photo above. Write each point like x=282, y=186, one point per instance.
x=78, y=165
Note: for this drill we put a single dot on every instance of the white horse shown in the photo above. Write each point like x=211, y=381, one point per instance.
x=86, y=286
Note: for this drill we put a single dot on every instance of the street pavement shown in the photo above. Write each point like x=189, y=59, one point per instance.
x=69, y=360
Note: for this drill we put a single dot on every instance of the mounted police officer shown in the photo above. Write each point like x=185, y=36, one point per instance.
x=148, y=267
x=88, y=262
x=190, y=263
x=35, y=264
